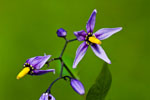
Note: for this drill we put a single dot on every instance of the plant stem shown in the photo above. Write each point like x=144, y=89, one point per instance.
x=48, y=90
x=67, y=41
x=61, y=72
x=62, y=64
x=69, y=70
x=72, y=40
x=60, y=58
x=63, y=49
x=52, y=60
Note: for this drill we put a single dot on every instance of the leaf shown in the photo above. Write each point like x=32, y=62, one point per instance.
x=99, y=90
x=68, y=61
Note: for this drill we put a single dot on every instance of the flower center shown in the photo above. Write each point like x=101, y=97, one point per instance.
x=27, y=69
x=23, y=72
x=90, y=39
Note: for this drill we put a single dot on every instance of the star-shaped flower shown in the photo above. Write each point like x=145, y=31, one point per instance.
x=93, y=40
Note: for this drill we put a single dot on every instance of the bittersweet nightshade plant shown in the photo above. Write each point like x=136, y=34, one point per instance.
x=93, y=40
x=33, y=65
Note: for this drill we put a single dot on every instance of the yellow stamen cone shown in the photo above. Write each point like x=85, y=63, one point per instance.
x=23, y=72
x=93, y=39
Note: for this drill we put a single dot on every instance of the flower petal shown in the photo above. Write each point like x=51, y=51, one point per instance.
x=104, y=33
x=38, y=62
x=77, y=86
x=99, y=52
x=46, y=96
x=30, y=60
x=80, y=53
x=91, y=22
x=40, y=72
x=80, y=35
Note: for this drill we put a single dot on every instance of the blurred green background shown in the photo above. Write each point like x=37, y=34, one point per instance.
x=28, y=28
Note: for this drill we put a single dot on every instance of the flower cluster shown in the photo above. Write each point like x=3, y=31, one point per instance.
x=33, y=65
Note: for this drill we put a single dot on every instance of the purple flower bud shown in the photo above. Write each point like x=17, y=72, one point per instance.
x=77, y=86
x=46, y=96
x=61, y=32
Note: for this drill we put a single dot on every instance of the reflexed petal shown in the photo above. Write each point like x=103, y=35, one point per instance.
x=91, y=22
x=99, y=52
x=80, y=53
x=80, y=35
x=46, y=96
x=38, y=62
x=77, y=86
x=30, y=60
x=40, y=72
x=104, y=33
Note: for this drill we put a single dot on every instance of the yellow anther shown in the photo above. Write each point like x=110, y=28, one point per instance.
x=93, y=39
x=23, y=72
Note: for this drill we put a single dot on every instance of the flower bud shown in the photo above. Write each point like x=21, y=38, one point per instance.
x=77, y=86
x=61, y=32
x=46, y=96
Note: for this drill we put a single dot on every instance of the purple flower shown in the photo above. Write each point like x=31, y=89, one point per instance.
x=77, y=86
x=93, y=39
x=33, y=66
x=61, y=32
x=46, y=96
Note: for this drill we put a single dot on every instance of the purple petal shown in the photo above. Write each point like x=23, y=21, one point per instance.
x=104, y=33
x=91, y=22
x=99, y=52
x=40, y=72
x=46, y=96
x=30, y=60
x=77, y=86
x=80, y=35
x=80, y=53
x=38, y=62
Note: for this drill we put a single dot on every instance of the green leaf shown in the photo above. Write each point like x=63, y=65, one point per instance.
x=68, y=61
x=99, y=90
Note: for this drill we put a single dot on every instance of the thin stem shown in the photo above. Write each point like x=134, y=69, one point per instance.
x=65, y=77
x=72, y=40
x=63, y=49
x=52, y=60
x=48, y=90
x=61, y=72
x=69, y=70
